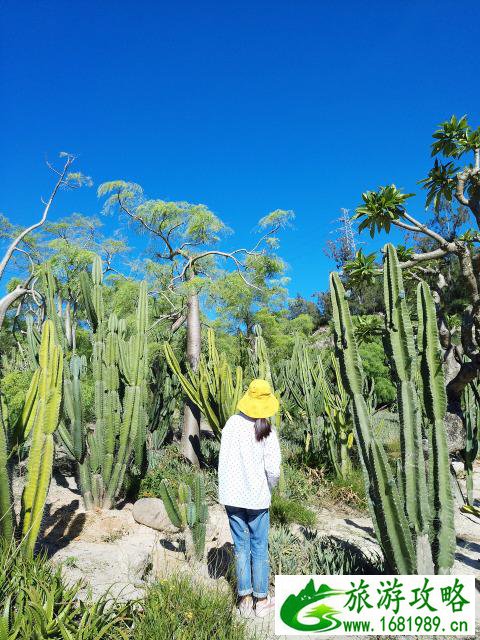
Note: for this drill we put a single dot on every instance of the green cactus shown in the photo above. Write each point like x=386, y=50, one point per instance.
x=471, y=411
x=214, y=389
x=165, y=394
x=400, y=347
x=120, y=372
x=442, y=531
x=411, y=534
x=7, y=515
x=188, y=513
x=33, y=341
x=259, y=358
x=171, y=506
x=44, y=398
x=302, y=378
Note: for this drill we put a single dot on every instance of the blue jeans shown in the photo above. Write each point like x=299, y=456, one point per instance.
x=249, y=529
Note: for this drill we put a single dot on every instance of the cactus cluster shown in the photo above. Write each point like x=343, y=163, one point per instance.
x=214, y=389
x=188, y=512
x=314, y=388
x=301, y=381
x=120, y=373
x=39, y=418
x=166, y=391
x=412, y=510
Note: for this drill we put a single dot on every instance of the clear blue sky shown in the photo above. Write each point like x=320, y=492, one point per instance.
x=244, y=107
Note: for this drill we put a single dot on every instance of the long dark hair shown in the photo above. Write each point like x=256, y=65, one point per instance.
x=262, y=428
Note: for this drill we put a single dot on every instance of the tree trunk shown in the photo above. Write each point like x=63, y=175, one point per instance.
x=9, y=299
x=190, y=445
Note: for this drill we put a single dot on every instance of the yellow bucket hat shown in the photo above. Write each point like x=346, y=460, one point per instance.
x=258, y=401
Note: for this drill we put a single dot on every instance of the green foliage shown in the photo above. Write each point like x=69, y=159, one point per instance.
x=362, y=269
x=181, y=607
x=38, y=604
x=163, y=407
x=376, y=369
x=308, y=553
x=288, y=511
x=214, y=388
x=455, y=137
x=14, y=386
x=171, y=466
x=380, y=208
x=280, y=333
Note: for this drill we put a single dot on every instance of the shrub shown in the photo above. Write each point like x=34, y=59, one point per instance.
x=14, y=387
x=287, y=511
x=173, y=467
x=37, y=603
x=297, y=485
x=309, y=553
x=181, y=608
x=349, y=491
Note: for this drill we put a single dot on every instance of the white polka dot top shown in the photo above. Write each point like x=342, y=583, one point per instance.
x=247, y=469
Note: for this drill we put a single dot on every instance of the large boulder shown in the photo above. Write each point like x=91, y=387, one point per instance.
x=151, y=512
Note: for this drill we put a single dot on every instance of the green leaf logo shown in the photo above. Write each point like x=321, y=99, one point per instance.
x=323, y=613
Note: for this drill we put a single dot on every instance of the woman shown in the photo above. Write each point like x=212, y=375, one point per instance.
x=248, y=469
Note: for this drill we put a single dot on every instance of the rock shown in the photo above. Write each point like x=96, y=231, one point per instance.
x=218, y=529
x=459, y=467
x=151, y=512
x=456, y=435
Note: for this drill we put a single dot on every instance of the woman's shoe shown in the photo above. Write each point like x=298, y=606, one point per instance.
x=245, y=607
x=264, y=607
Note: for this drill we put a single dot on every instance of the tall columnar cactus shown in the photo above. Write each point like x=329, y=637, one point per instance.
x=7, y=516
x=302, y=378
x=120, y=374
x=214, y=389
x=40, y=416
x=188, y=513
x=259, y=358
x=400, y=346
x=442, y=531
x=471, y=412
x=411, y=535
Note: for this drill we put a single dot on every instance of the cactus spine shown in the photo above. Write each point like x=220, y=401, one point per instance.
x=410, y=534
x=43, y=403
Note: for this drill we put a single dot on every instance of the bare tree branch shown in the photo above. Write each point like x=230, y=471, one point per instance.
x=25, y=232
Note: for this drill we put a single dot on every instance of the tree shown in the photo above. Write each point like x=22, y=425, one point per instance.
x=301, y=306
x=18, y=238
x=446, y=182
x=184, y=236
